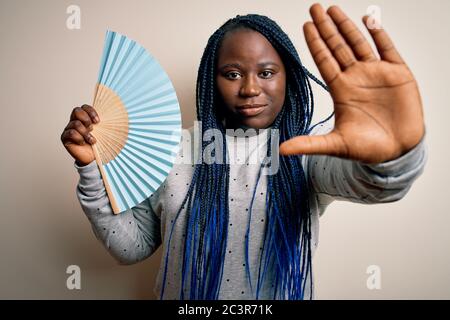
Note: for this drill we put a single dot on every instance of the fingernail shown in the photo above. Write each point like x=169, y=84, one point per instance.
x=91, y=127
x=97, y=119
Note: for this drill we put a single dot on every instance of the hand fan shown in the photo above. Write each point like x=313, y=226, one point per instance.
x=139, y=132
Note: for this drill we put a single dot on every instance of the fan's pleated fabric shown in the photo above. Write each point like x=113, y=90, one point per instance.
x=132, y=80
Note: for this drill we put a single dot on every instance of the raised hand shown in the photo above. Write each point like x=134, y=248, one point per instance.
x=378, y=109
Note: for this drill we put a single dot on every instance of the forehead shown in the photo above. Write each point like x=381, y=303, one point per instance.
x=246, y=46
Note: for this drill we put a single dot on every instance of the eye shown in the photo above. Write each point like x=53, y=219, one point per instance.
x=233, y=75
x=267, y=74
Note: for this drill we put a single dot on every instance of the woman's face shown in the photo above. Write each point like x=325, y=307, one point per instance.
x=251, y=79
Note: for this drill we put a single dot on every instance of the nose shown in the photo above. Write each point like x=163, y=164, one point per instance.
x=250, y=87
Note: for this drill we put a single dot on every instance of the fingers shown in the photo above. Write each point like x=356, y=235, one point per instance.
x=92, y=113
x=326, y=63
x=78, y=129
x=345, y=41
x=384, y=44
x=329, y=144
x=86, y=114
x=332, y=37
x=76, y=133
x=82, y=130
x=353, y=36
x=72, y=136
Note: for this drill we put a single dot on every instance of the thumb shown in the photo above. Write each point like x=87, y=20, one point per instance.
x=328, y=144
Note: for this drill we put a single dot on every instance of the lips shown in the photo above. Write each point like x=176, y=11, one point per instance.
x=251, y=110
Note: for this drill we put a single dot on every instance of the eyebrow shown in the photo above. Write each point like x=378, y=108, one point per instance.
x=261, y=64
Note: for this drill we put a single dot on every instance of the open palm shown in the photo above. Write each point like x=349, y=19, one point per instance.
x=378, y=109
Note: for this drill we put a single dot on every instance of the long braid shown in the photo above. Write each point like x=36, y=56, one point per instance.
x=286, y=253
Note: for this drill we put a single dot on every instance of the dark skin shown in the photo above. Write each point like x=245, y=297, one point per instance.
x=249, y=71
x=377, y=104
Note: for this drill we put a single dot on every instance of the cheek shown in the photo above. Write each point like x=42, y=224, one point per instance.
x=221, y=87
x=277, y=93
x=227, y=91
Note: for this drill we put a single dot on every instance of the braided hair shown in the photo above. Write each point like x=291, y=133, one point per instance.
x=286, y=253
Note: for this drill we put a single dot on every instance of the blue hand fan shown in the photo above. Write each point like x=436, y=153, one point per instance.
x=139, y=132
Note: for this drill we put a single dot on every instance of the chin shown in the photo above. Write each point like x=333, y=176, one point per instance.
x=256, y=123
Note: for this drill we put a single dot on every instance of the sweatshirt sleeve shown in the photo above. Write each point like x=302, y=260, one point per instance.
x=130, y=236
x=341, y=179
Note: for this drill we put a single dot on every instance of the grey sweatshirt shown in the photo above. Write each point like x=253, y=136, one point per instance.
x=136, y=234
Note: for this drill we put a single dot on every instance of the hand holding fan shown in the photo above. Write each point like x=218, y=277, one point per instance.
x=140, y=122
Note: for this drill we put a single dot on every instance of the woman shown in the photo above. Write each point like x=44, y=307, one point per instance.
x=229, y=232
